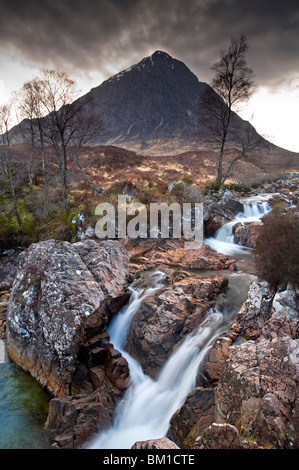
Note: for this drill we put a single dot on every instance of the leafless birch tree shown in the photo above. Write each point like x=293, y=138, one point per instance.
x=233, y=83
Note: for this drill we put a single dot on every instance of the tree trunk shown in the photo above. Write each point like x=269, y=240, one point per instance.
x=62, y=173
x=230, y=166
x=218, y=180
x=82, y=171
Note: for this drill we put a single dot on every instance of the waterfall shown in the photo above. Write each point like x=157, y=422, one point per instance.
x=3, y=354
x=145, y=411
x=223, y=241
x=256, y=210
x=120, y=324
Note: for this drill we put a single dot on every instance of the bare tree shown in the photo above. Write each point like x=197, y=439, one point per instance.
x=55, y=91
x=30, y=113
x=50, y=104
x=10, y=178
x=233, y=84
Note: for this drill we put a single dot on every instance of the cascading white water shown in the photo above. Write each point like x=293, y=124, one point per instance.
x=146, y=410
x=223, y=241
x=3, y=354
x=119, y=325
x=256, y=210
x=149, y=404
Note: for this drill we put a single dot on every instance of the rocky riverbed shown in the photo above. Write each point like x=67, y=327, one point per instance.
x=58, y=299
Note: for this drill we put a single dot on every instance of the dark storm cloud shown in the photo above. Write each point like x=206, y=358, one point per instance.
x=77, y=35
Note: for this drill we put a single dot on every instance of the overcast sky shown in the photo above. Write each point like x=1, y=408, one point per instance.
x=94, y=39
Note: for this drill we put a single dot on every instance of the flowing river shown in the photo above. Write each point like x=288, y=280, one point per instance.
x=149, y=404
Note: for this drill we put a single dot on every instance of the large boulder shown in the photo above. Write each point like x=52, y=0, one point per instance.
x=246, y=233
x=219, y=209
x=167, y=316
x=255, y=311
x=191, y=420
x=231, y=201
x=73, y=420
x=173, y=253
x=268, y=314
x=215, y=215
x=284, y=319
x=162, y=443
x=258, y=392
x=223, y=436
x=63, y=295
x=254, y=372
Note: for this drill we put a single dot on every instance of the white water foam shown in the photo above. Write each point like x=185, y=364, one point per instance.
x=146, y=410
x=223, y=241
x=149, y=404
x=3, y=354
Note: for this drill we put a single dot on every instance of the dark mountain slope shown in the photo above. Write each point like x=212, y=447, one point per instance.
x=153, y=106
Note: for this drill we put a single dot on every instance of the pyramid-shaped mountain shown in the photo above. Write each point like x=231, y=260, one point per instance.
x=152, y=102
x=151, y=107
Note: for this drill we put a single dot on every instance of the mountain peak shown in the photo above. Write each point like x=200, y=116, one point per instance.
x=157, y=59
x=155, y=99
x=161, y=55
x=154, y=104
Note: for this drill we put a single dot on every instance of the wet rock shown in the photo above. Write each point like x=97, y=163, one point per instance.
x=215, y=215
x=246, y=233
x=255, y=311
x=220, y=208
x=167, y=316
x=117, y=370
x=268, y=314
x=190, y=421
x=72, y=421
x=162, y=443
x=231, y=202
x=62, y=295
x=284, y=319
x=214, y=361
x=173, y=253
x=258, y=391
x=223, y=436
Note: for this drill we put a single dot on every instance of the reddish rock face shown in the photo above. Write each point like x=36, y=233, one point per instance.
x=258, y=391
x=62, y=295
x=163, y=443
x=172, y=253
x=268, y=314
x=191, y=420
x=72, y=420
x=58, y=311
x=255, y=379
x=215, y=360
x=167, y=316
x=223, y=436
x=255, y=311
x=246, y=233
